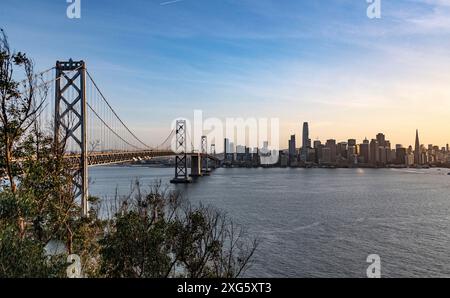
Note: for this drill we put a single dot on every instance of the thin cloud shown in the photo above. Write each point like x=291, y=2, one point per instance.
x=170, y=2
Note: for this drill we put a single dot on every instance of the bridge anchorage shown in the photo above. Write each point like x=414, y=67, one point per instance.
x=88, y=132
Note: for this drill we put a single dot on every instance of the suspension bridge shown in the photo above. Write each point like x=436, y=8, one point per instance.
x=91, y=133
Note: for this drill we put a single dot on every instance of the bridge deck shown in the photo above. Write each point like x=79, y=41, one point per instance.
x=114, y=157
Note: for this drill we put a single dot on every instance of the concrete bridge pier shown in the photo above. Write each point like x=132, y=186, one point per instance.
x=196, y=165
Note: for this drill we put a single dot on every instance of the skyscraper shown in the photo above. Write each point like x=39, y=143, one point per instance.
x=417, y=152
x=318, y=150
x=305, y=142
x=331, y=144
x=374, y=151
x=227, y=149
x=381, y=139
x=226, y=146
x=365, y=151
x=292, y=150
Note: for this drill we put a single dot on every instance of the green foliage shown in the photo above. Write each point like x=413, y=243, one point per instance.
x=25, y=257
x=135, y=249
x=162, y=235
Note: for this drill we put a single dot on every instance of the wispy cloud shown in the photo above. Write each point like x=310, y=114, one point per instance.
x=170, y=2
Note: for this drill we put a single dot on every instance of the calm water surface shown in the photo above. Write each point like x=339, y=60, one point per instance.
x=322, y=222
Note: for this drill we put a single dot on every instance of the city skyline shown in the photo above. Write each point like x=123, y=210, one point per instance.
x=293, y=138
x=328, y=63
x=373, y=152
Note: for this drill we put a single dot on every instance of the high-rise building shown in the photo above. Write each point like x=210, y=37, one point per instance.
x=352, y=142
x=382, y=155
x=387, y=144
x=227, y=150
x=364, y=151
x=326, y=155
x=318, y=151
x=292, y=151
x=351, y=155
x=306, y=143
x=374, y=152
x=331, y=144
x=240, y=152
x=342, y=150
x=417, y=151
x=401, y=155
x=226, y=146
x=381, y=139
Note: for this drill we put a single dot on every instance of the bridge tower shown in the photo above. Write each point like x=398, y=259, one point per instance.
x=181, y=172
x=71, y=121
x=204, y=155
x=213, y=153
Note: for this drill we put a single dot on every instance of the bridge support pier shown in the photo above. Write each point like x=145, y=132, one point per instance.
x=196, y=165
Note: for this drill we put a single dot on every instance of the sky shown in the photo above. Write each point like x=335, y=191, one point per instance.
x=319, y=61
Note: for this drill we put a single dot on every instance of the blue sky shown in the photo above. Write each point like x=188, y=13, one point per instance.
x=319, y=61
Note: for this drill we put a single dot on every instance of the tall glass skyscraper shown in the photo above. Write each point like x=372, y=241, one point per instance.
x=305, y=141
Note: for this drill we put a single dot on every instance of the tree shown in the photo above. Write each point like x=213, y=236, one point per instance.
x=160, y=234
x=18, y=105
x=37, y=204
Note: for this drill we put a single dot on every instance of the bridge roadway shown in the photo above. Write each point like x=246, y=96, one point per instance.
x=115, y=157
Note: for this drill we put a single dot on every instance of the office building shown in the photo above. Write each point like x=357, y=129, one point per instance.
x=306, y=142
x=364, y=151
x=331, y=144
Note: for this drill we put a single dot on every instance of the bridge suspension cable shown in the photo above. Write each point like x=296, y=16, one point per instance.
x=106, y=130
x=119, y=124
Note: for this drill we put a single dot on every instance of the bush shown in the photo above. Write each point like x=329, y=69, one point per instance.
x=160, y=234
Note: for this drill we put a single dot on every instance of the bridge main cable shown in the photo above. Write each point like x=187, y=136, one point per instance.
x=117, y=116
